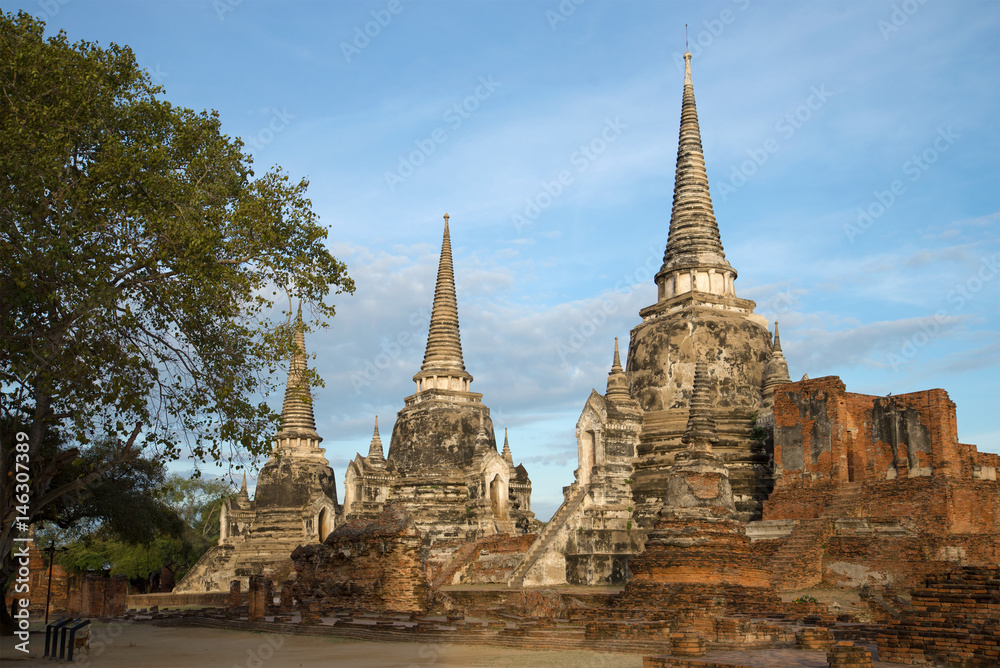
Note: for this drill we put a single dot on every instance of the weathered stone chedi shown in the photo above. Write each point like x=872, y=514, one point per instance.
x=698, y=317
x=295, y=501
x=443, y=466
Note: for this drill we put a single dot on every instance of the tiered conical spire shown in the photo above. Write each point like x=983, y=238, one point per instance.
x=297, y=411
x=243, y=500
x=775, y=371
x=375, y=455
x=443, y=356
x=617, y=380
x=297, y=436
x=693, y=243
x=507, y=457
x=700, y=433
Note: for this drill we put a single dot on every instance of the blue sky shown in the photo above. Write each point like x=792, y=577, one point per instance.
x=853, y=151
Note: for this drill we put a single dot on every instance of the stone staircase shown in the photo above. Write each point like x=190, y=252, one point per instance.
x=799, y=562
x=549, y=533
x=209, y=571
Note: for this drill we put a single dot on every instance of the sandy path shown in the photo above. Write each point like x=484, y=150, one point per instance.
x=144, y=646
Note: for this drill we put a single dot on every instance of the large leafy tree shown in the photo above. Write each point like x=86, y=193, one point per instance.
x=180, y=521
x=140, y=259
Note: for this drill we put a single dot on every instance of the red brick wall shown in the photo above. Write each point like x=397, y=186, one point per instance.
x=38, y=586
x=953, y=620
x=844, y=456
x=372, y=565
x=823, y=432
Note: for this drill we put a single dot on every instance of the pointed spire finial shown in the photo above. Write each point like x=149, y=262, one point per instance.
x=243, y=499
x=297, y=418
x=617, y=380
x=693, y=243
x=616, y=365
x=443, y=356
x=375, y=456
x=506, y=449
x=777, y=339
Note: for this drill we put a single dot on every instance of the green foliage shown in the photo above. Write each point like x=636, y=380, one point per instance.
x=193, y=504
x=141, y=260
x=197, y=501
x=125, y=500
x=758, y=432
x=806, y=599
x=142, y=255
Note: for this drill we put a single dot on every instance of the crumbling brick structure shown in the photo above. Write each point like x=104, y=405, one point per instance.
x=879, y=489
x=369, y=565
x=954, y=620
x=38, y=585
x=96, y=595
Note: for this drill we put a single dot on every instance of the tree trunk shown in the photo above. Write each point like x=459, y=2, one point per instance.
x=7, y=623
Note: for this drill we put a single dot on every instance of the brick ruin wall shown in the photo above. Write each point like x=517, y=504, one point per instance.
x=493, y=559
x=953, y=620
x=364, y=564
x=902, y=497
x=822, y=432
x=79, y=594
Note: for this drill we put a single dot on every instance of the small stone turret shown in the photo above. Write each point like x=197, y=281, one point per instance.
x=375, y=456
x=775, y=375
x=243, y=500
x=699, y=479
x=482, y=441
x=367, y=482
x=507, y=456
x=617, y=380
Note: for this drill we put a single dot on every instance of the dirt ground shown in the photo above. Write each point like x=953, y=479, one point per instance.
x=143, y=646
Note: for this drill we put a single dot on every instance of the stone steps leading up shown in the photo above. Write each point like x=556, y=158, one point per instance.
x=549, y=533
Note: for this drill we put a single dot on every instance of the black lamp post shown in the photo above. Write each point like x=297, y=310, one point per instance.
x=51, y=550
